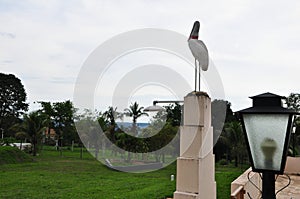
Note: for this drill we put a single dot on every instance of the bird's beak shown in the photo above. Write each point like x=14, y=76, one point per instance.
x=195, y=30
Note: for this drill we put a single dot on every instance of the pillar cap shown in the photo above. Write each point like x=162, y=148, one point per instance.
x=198, y=93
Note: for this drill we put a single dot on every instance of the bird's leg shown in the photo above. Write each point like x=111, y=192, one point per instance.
x=195, y=75
x=199, y=71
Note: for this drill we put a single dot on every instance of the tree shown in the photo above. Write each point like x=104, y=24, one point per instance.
x=21, y=136
x=162, y=130
x=34, y=124
x=64, y=121
x=135, y=112
x=110, y=117
x=235, y=141
x=12, y=100
x=48, y=112
x=162, y=139
x=103, y=122
x=221, y=114
x=293, y=102
x=174, y=114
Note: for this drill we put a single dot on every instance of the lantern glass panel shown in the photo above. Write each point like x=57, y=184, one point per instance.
x=266, y=135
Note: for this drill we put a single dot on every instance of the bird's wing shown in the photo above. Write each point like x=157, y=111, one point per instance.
x=200, y=52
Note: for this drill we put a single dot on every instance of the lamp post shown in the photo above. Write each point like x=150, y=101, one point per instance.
x=267, y=127
x=155, y=108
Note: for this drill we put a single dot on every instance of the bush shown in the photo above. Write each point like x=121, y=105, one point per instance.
x=223, y=162
x=10, y=155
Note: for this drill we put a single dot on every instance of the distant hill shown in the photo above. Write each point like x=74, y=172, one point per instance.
x=141, y=125
x=11, y=155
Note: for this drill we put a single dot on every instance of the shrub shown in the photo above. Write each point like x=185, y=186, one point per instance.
x=223, y=162
x=10, y=155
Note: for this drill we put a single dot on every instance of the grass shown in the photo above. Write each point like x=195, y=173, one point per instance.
x=224, y=176
x=53, y=176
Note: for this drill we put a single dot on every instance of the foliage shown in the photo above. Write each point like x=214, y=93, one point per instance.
x=48, y=112
x=174, y=112
x=108, y=121
x=7, y=141
x=135, y=112
x=103, y=122
x=89, y=130
x=232, y=141
x=221, y=114
x=236, y=141
x=21, y=135
x=293, y=102
x=112, y=115
x=157, y=135
x=61, y=116
x=34, y=124
x=223, y=162
x=12, y=100
x=63, y=121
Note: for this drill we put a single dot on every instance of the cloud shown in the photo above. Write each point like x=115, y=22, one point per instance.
x=254, y=44
x=8, y=35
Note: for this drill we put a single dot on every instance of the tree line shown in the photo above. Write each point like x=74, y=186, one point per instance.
x=35, y=126
x=132, y=139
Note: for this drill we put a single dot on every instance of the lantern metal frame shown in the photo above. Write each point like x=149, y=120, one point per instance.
x=270, y=104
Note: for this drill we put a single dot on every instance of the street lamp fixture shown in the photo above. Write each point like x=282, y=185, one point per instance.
x=267, y=127
x=156, y=108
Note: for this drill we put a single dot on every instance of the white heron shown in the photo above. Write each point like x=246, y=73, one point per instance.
x=199, y=51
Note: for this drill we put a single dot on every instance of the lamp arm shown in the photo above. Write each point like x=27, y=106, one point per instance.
x=166, y=101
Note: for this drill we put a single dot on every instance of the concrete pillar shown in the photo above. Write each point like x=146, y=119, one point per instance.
x=196, y=164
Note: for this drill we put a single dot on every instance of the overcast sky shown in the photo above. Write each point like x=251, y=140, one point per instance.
x=254, y=44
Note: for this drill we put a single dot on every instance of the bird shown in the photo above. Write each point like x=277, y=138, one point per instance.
x=199, y=51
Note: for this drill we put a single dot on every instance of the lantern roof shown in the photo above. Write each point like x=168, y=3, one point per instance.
x=267, y=103
x=267, y=99
x=267, y=95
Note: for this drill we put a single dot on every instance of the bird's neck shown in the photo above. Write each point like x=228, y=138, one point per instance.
x=193, y=37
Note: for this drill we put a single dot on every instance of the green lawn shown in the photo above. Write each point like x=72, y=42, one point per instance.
x=53, y=176
x=224, y=176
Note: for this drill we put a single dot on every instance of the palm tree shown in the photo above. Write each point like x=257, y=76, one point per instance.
x=135, y=112
x=111, y=115
x=34, y=124
x=48, y=112
x=235, y=140
x=21, y=136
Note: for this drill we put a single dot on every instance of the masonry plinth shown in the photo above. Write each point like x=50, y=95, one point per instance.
x=196, y=165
